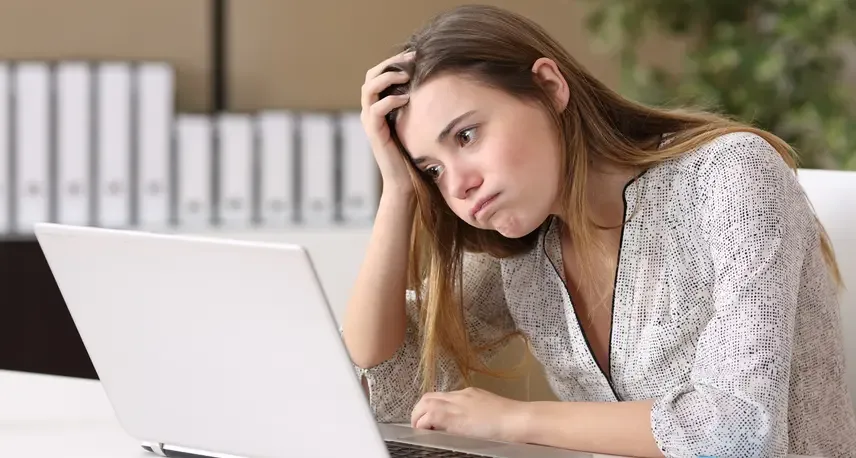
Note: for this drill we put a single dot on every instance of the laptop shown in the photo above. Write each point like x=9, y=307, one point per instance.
x=223, y=348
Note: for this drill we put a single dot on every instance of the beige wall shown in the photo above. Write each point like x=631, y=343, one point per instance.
x=282, y=53
x=171, y=30
x=298, y=54
x=314, y=54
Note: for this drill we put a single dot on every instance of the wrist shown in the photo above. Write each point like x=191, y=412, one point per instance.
x=520, y=422
x=398, y=196
x=404, y=186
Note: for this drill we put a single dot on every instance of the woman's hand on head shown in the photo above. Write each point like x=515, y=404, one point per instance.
x=392, y=165
x=471, y=412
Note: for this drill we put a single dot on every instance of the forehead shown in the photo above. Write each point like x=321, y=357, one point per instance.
x=438, y=101
x=446, y=93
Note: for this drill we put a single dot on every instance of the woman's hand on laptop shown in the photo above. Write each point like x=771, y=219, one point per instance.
x=471, y=412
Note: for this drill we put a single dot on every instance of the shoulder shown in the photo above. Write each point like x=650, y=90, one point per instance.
x=741, y=152
x=738, y=163
x=731, y=150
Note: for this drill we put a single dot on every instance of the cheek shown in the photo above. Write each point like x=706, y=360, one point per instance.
x=457, y=206
x=526, y=162
x=460, y=208
x=508, y=155
x=542, y=158
x=535, y=170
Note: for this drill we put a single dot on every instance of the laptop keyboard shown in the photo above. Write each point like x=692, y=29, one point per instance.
x=402, y=450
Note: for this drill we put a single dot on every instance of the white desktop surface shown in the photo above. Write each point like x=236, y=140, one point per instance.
x=46, y=416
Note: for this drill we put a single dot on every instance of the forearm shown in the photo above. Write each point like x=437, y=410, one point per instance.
x=375, y=317
x=615, y=428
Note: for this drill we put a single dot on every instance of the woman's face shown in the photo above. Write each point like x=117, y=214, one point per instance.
x=494, y=158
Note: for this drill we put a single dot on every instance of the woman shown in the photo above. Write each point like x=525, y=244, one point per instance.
x=665, y=267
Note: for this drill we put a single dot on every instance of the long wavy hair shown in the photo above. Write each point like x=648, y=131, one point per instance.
x=497, y=48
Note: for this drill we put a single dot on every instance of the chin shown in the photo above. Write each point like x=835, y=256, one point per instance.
x=514, y=228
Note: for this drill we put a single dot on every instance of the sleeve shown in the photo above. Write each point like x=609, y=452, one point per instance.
x=754, y=217
x=393, y=385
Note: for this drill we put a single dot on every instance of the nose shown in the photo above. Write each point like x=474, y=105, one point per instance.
x=463, y=181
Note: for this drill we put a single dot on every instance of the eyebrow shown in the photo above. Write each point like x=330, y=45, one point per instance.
x=444, y=133
x=452, y=125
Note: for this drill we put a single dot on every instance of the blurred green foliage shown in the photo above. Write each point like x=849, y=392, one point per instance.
x=777, y=64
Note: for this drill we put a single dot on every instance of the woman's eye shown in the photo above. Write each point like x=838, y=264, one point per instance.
x=467, y=136
x=433, y=172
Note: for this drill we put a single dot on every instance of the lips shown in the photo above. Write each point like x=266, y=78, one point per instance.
x=478, y=207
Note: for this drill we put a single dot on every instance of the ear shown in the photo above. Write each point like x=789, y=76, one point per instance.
x=547, y=73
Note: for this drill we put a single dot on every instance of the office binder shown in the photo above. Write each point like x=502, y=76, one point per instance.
x=360, y=174
x=5, y=152
x=155, y=95
x=74, y=142
x=235, y=133
x=32, y=140
x=194, y=167
x=317, y=199
x=277, y=167
x=113, y=147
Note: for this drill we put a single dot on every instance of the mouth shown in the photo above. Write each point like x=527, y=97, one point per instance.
x=481, y=205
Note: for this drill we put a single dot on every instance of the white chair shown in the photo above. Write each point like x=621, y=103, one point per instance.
x=833, y=195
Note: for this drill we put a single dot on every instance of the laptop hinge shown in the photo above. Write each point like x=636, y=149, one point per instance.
x=158, y=449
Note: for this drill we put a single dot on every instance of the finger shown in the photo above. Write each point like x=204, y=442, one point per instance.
x=426, y=405
x=372, y=89
x=383, y=107
x=421, y=408
x=403, y=56
x=429, y=421
x=419, y=411
x=435, y=416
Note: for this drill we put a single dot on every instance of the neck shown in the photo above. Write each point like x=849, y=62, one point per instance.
x=605, y=184
x=605, y=192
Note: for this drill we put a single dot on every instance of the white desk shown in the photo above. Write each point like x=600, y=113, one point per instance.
x=44, y=416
